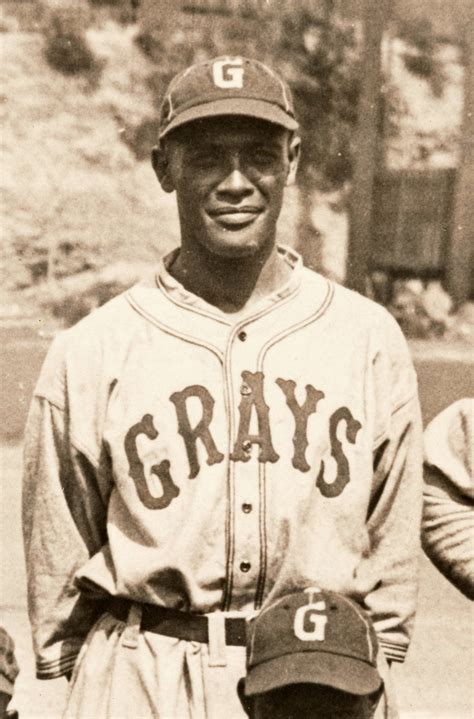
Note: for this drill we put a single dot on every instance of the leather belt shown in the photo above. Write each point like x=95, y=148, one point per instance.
x=182, y=625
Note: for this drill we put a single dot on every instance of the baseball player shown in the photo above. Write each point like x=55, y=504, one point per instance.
x=311, y=654
x=448, y=514
x=229, y=430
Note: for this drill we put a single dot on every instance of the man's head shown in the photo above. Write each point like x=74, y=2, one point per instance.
x=228, y=147
x=311, y=655
x=310, y=701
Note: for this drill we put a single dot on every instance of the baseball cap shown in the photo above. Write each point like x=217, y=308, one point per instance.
x=316, y=637
x=227, y=86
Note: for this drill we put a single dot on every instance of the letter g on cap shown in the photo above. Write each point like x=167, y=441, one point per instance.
x=228, y=74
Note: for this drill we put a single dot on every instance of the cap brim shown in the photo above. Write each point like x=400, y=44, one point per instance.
x=233, y=106
x=345, y=673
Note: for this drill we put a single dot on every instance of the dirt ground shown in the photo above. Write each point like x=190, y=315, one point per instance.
x=434, y=683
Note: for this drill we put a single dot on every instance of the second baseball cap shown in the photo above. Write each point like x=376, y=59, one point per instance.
x=312, y=637
x=227, y=86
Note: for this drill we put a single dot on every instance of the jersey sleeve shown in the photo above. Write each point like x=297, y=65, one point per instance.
x=448, y=511
x=394, y=515
x=64, y=523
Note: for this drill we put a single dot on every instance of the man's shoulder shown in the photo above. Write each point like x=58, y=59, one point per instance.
x=358, y=322
x=89, y=350
x=350, y=304
x=109, y=325
x=449, y=445
x=105, y=320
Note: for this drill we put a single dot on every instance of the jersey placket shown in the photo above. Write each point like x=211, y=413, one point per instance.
x=244, y=507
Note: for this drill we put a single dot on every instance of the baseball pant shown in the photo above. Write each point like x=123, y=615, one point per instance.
x=124, y=673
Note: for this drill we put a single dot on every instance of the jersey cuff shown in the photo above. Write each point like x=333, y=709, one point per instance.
x=393, y=652
x=57, y=667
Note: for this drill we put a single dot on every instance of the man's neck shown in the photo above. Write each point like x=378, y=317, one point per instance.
x=231, y=284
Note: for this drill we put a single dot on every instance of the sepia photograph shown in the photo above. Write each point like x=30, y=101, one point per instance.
x=237, y=359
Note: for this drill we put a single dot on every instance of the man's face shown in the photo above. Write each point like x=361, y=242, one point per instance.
x=310, y=701
x=229, y=175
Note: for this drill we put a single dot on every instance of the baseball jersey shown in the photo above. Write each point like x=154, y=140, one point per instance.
x=180, y=457
x=448, y=514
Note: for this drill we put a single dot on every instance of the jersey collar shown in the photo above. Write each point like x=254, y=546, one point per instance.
x=175, y=290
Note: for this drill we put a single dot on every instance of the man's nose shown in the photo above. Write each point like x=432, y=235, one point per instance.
x=236, y=183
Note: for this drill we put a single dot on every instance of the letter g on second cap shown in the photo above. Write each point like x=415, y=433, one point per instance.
x=309, y=613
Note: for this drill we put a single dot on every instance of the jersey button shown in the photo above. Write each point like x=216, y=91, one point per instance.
x=247, y=446
x=246, y=507
x=242, y=335
x=245, y=389
x=245, y=566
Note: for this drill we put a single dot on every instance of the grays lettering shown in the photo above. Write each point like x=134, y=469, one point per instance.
x=333, y=489
x=254, y=399
x=200, y=431
x=252, y=407
x=136, y=470
x=300, y=415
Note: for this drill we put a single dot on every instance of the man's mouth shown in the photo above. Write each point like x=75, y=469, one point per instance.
x=235, y=216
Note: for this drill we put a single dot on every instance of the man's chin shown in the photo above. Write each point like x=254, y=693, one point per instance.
x=237, y=243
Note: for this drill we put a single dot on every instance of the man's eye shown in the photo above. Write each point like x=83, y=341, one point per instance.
x=264, y=157
x=204, y=159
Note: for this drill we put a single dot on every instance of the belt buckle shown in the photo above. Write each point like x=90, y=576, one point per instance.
x=216, y=628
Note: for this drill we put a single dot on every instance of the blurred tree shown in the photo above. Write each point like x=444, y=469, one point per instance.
x=320, y=57
x=67, y=50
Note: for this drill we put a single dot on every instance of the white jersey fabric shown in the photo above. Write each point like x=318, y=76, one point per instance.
x=178, y=457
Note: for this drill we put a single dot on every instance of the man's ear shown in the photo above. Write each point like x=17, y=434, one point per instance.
x=375, y=698
x=245, y=701
x=293, y=156
x=160, y=164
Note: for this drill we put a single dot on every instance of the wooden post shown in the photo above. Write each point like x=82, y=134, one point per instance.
x=376, y=15
x=459, y=271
